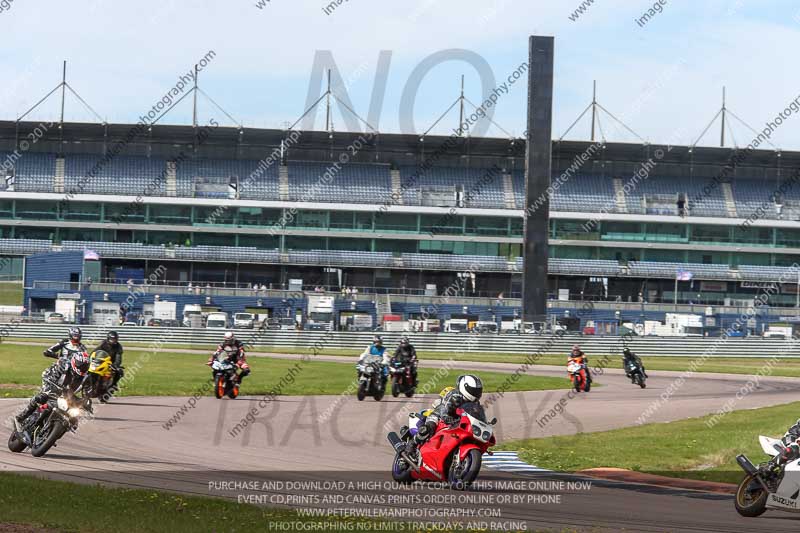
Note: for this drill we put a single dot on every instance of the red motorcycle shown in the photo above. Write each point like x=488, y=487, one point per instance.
x=453, y=454
x=402, y=379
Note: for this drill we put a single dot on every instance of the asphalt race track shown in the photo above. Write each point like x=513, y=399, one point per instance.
x=324, y=440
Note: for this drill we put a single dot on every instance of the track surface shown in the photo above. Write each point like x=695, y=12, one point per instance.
x=293, y=439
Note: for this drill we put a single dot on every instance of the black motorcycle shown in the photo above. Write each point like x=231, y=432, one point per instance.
x=48, y=423
x=636, y=373
x=370, y=378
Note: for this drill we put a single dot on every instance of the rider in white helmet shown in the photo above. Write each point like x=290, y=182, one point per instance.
x=469, y=388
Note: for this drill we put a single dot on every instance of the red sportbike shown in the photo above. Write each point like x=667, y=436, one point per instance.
x=453, y=454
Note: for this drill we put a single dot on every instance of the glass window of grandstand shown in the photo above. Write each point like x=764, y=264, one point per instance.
x=396, y=247
x=169, y=238
x=308, y=219
x=343, y=220
x=256, y=216
x=129, y=213
x=665, y=232
x=262, y=242
x=786, y=260
x=36, y=210
x=621, y=231
x=751, y=235
x=444, y=224
x=497, y=226
x=789, y=238
x=511, y=251
x=708, y=258
x=6, y=208
x=664, y=256
x=711, y=234
x=573, y=252
x=395, y=222
x=751, y=259
x=212, y=239
x=459, y=248
x=171, y=214
x=573, y=229
x=81, y=211
x=356, y=245
x=305, y=243
x=81, y=234
x=617, y=254
x=217, y=215
x=517, y=225
x=35, y=233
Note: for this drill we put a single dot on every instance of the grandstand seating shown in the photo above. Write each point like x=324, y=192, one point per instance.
x=352, y=182
x=371, y=183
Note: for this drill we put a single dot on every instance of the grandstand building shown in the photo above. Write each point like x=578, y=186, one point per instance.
x=389, y=214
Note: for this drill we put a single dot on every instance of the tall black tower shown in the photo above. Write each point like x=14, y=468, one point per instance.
x=537, y=178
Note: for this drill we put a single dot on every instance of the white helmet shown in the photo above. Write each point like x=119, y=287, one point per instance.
x=470, y=387
x=228, y=338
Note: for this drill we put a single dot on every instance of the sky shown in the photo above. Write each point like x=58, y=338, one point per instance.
x=663, y=78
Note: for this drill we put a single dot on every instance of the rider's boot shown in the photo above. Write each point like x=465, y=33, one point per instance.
x=28, y=411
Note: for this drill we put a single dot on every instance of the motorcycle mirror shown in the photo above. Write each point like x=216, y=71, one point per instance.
x=493, y=421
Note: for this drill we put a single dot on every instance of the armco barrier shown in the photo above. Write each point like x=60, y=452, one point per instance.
x=441, y=342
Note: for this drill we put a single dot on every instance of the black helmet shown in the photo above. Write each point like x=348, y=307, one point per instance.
x=404, y=341
x=377, y=340
x=75, y=334
x=113, y=337
x=79, y=364
x=627, y=352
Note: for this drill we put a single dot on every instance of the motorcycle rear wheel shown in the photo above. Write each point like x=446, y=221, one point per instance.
x=745, y=504
x=15, y=444
x=462, y=476
x=410, y=392
x=57, y=430
x=233, y=391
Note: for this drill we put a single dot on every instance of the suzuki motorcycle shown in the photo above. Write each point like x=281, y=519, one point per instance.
x=768, y=486
x=402, y=379
x=226, y=375
x=47, y=424
x=100, y=376
x=578, y=374
x=370, y=378
x=636, y=374
x=453, y=454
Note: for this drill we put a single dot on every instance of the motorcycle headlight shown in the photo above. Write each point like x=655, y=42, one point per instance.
x=74, y=412
x=487, y=435
x=476, y=431
x=62, y=404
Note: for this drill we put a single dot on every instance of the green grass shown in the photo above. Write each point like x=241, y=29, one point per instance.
x=686, y=448
x=10, y=293
x=789, y=367
x=96, y=509
x=170, y=374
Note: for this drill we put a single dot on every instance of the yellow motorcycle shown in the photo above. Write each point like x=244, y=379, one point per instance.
x=100, y=377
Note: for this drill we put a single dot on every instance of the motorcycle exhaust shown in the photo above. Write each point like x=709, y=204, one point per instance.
x=396, y=442
x=746, y=465
x=400, y=447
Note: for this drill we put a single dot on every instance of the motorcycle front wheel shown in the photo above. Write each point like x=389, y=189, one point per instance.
x=15, y=443
x=43, y=444
x=462, y=475
x=362, y=391
x=219, y=387
x=401, y=471
x=395, y=388
x=751, y=498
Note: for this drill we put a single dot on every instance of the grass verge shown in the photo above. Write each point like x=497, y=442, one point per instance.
x=684, y=449
x=168, y=374
x=80, y=508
